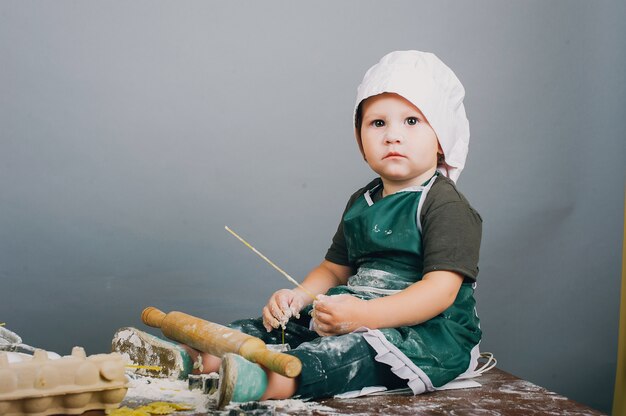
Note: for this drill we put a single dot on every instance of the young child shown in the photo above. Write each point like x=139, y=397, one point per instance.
x=394, y=295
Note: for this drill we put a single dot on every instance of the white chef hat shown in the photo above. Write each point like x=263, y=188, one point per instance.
x=425, y=81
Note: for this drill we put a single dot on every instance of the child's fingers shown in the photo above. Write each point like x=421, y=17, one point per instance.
x=266, y=323
x=295, y=306
x=269, y=320
x=276, y=310
x=322, y=306
x=315, y=326
x=322, y=318
x=270, y=324
x=320, y=328
x=326, y=324
x=295, y=311
x=267, y=326
x=282, y=300
x=285, y=310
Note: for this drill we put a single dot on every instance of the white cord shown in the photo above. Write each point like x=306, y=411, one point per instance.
x=491, y=363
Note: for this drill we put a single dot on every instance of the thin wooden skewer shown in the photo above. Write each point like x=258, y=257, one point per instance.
x=291, y=279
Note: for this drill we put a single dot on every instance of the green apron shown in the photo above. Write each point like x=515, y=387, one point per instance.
x=384, y=242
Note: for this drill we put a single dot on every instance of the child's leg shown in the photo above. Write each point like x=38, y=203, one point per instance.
x=279, y=387
x=330, y=365
x=338, y=364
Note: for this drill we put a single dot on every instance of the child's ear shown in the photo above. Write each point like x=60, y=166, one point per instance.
x=440, y=156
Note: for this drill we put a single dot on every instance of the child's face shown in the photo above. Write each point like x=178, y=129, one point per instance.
x=398, y=143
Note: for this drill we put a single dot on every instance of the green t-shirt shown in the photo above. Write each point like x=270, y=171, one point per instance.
x=451, y=230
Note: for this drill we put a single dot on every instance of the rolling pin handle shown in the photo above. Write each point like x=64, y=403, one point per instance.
x=153, y=317
x=287, y=365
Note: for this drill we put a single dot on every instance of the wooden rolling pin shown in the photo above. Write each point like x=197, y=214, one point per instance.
x=218, y=340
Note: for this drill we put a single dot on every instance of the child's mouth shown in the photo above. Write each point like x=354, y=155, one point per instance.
x=393, y=154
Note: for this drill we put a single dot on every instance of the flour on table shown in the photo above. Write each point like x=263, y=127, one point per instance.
x=160, y=389
x=290, y=406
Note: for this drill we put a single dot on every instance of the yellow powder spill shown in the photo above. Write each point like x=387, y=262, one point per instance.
x=154, y=408
x=147, y=367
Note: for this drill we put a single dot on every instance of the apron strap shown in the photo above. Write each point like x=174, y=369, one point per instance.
x=423, y=198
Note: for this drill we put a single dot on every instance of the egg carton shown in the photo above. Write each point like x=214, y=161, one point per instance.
x=68, y=385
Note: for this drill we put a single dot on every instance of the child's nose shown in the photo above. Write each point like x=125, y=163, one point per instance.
x=392, y=137
x=393, y=133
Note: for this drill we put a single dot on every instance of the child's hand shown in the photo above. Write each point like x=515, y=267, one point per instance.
x=281, y=306
x=336, y=315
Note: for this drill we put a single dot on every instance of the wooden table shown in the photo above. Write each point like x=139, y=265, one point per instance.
x=500, y=394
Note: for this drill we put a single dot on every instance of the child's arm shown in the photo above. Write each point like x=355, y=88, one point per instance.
x=418, y=303
x=286, y=303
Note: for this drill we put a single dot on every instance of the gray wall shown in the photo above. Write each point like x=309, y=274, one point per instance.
x=132, y=132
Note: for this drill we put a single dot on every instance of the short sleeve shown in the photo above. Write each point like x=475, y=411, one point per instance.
x=451, y=234
x=337, y=252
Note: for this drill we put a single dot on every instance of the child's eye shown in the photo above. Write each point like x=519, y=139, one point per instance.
x=411, y=121
x=378, y=123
